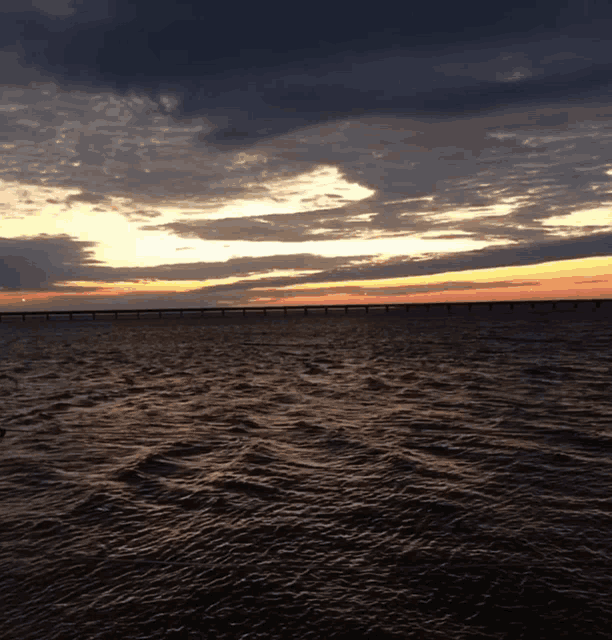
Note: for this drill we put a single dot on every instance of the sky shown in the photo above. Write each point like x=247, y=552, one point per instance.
x=177, y=154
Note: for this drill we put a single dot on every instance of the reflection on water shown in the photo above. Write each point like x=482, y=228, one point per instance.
x=377, y=477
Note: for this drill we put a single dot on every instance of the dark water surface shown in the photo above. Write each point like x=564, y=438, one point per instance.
x=381, y=477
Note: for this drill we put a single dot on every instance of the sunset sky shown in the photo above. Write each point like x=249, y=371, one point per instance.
x=210, y=154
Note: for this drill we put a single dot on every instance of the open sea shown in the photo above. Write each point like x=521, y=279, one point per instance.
x=383, y=476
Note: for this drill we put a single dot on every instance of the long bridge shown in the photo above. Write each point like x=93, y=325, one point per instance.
x=583, y=304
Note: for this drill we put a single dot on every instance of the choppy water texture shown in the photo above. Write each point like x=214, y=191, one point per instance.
x=369, y=477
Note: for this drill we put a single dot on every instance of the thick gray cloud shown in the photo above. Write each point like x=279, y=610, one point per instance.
x=108, y=146
x=43, y=263
x=56, y=8
x=39, y=262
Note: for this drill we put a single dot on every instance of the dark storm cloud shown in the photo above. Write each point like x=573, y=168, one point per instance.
x=528, y=254
x=257, y=72
x=38, y=263
x=479, y=162
x=51, y=8
x=220, y=80
x=43, y=262
x=107, y=146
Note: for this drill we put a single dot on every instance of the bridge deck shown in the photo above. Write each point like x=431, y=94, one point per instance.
x=542, y=305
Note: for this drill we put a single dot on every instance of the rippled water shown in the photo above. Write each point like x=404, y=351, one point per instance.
x=369, y=477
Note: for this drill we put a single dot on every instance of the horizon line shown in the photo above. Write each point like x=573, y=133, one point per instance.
x=367, y=305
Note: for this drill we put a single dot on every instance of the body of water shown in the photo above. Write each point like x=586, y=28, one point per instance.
x=388, y=476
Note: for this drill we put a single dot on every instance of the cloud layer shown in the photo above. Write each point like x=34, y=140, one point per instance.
x=475, y=140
